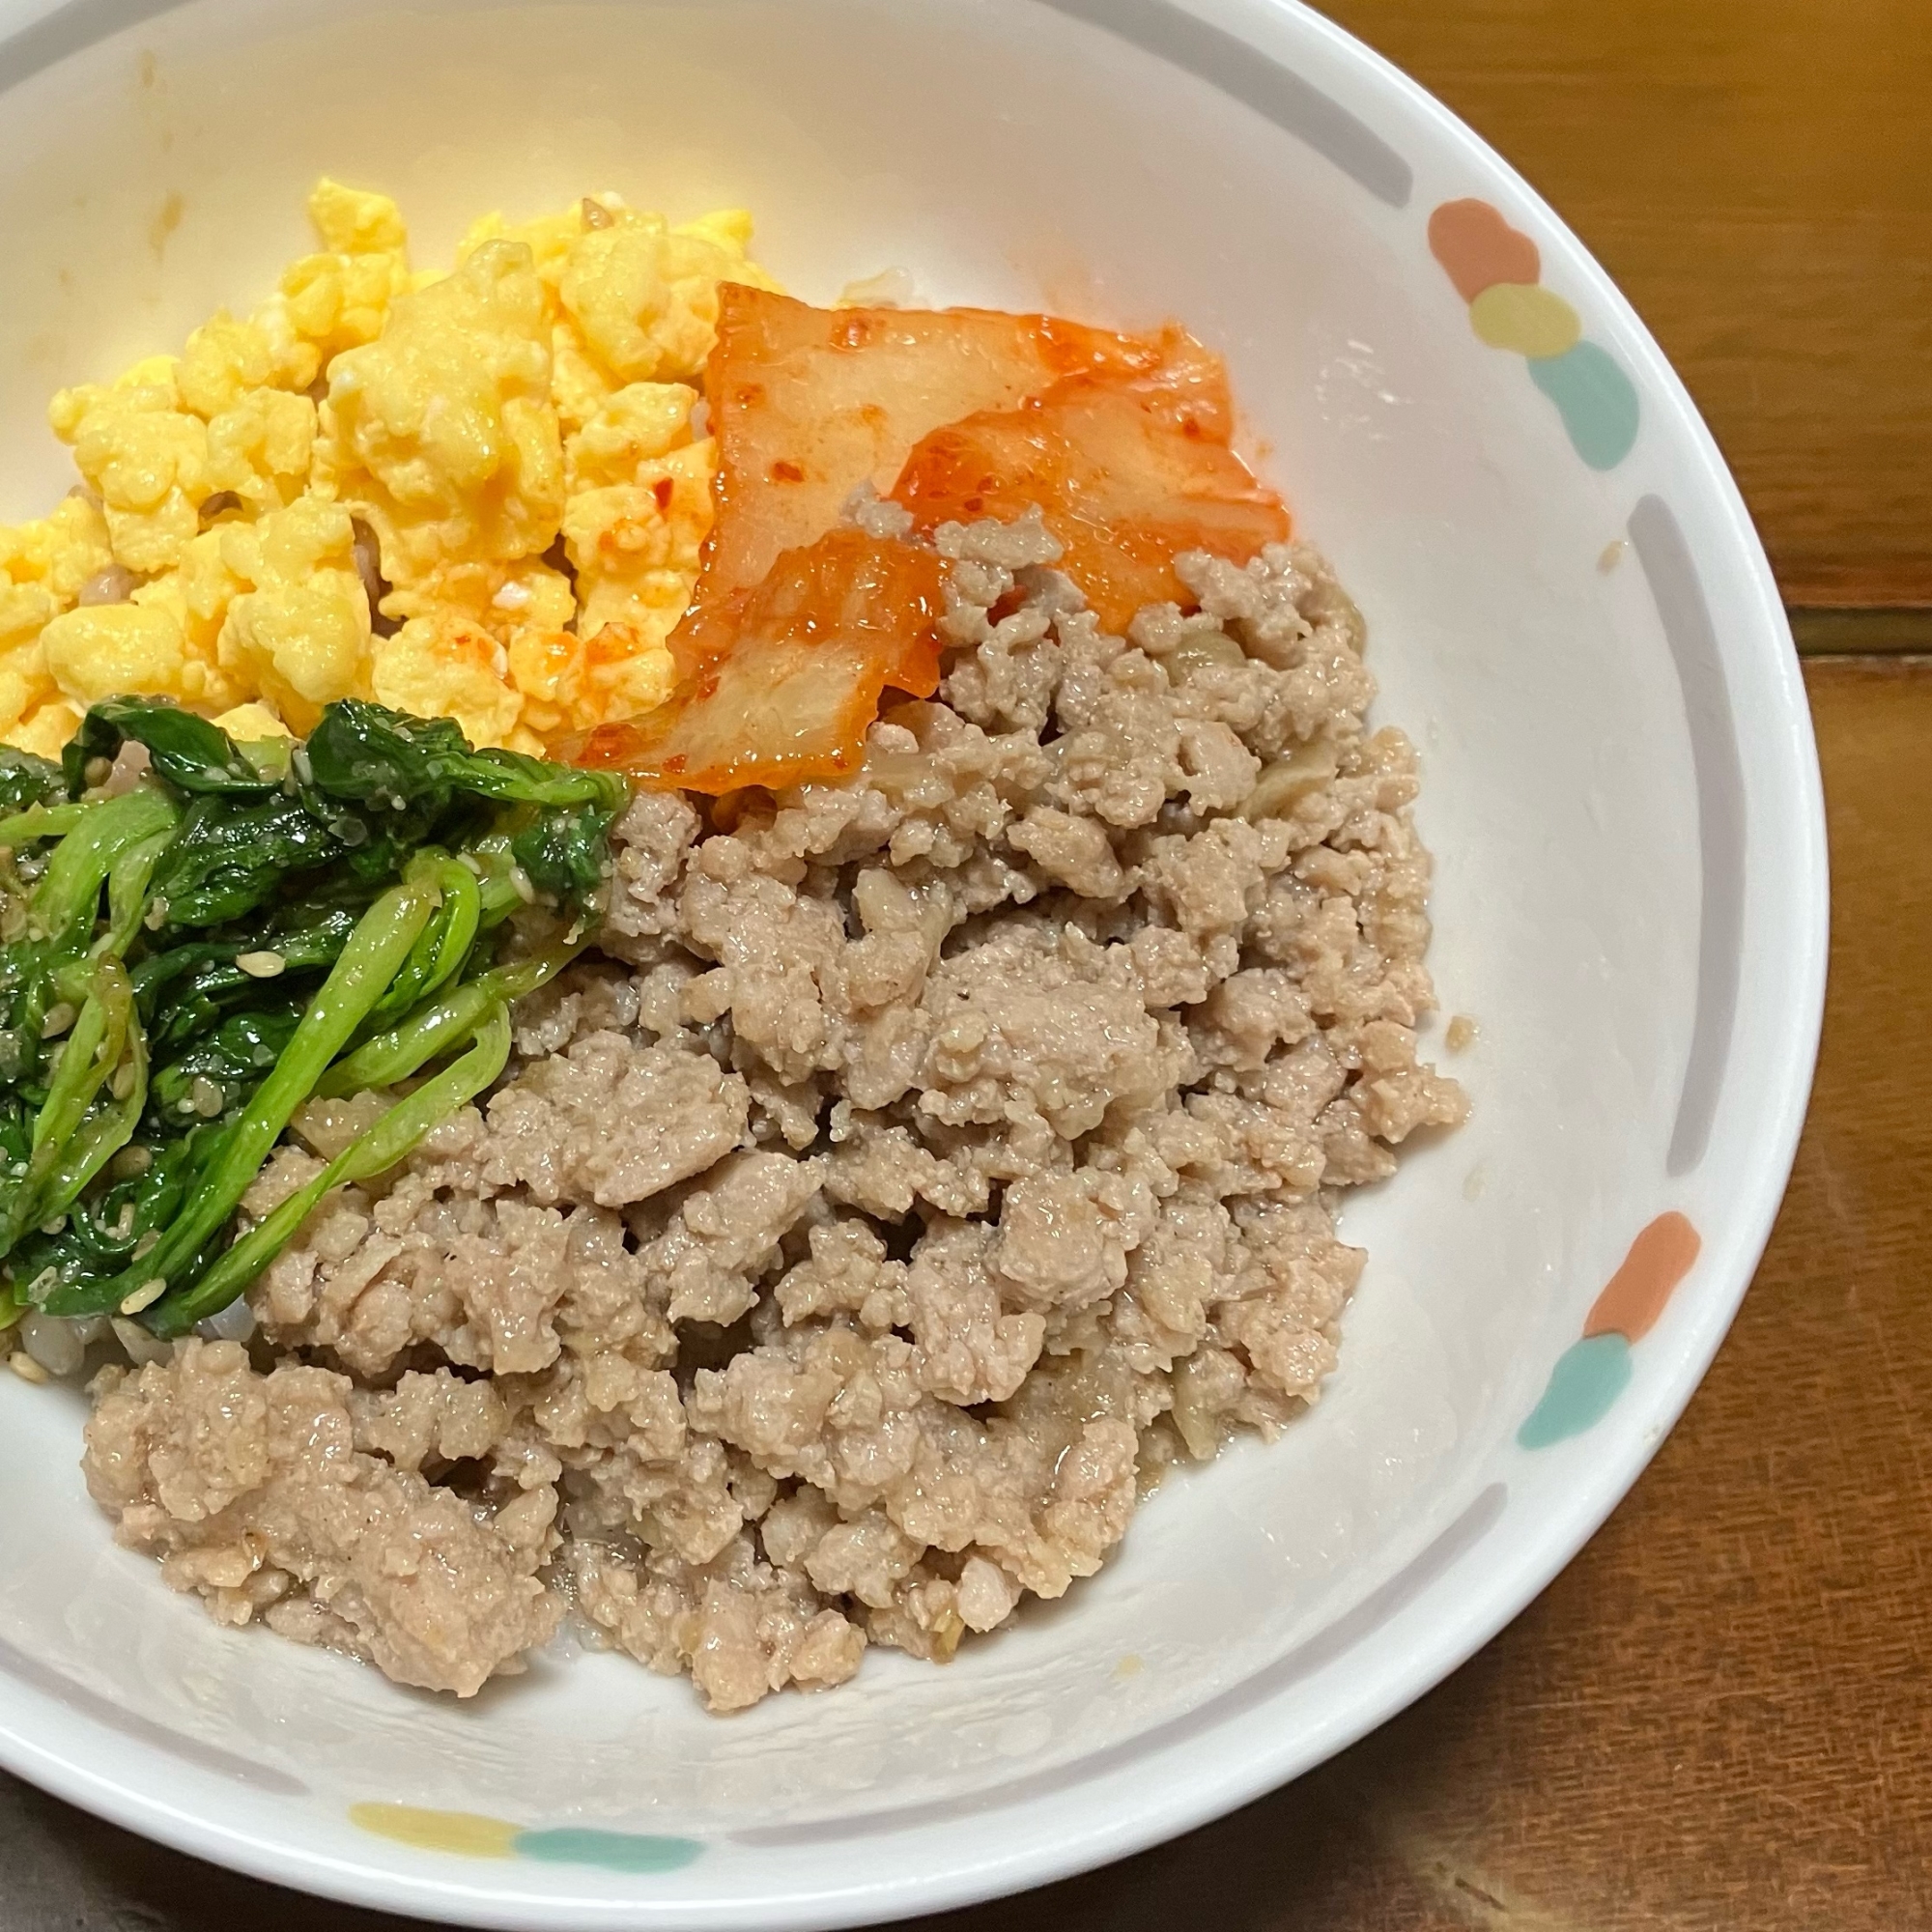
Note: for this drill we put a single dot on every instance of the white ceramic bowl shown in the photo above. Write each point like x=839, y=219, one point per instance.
x=1569, y=613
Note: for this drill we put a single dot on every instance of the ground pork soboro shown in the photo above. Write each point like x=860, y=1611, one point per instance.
x=923, y=1164
x=266, y=1493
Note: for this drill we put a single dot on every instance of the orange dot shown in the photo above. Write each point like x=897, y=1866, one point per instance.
x=1479, y=248
x=1634, y=1296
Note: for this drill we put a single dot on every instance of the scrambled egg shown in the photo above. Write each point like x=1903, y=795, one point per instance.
x=475, y=494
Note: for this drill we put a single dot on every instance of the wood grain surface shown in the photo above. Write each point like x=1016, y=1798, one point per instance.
x=1719, y=1718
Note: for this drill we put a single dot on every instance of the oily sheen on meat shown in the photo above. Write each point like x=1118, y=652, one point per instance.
x=924, y=1164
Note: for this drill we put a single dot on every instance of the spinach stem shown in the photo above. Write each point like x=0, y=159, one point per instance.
x=438, y=1024
x=374, y=953
x=379, y=1148
x=69, y=892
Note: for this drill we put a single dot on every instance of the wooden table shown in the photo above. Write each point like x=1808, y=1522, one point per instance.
x=1719, y=1718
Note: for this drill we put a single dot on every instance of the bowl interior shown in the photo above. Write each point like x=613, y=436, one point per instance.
x=1525, y=633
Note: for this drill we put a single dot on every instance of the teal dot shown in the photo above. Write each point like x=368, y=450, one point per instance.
x=1588, y=1377
x=614, y=1851
x=1596, y=400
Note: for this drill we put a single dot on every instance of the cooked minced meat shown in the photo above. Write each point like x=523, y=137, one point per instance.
x=925, y=1164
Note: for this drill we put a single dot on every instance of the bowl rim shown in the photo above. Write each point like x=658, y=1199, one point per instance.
x=1081, y=1834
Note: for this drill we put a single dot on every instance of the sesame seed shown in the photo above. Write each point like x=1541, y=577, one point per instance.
x=26, y=1368
x=122, y=1083
x=146, y=1296
x=205, y=1097
x=146, y=1244
x=58, y=1018
x=262, y=965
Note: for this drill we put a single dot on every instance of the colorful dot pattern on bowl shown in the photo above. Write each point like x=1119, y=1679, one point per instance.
x=1497, y=270
x=470, y=1834
x=1591, y=1373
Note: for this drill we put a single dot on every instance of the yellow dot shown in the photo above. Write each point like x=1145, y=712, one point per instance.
x=468, y=1834
x=1530, y=320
